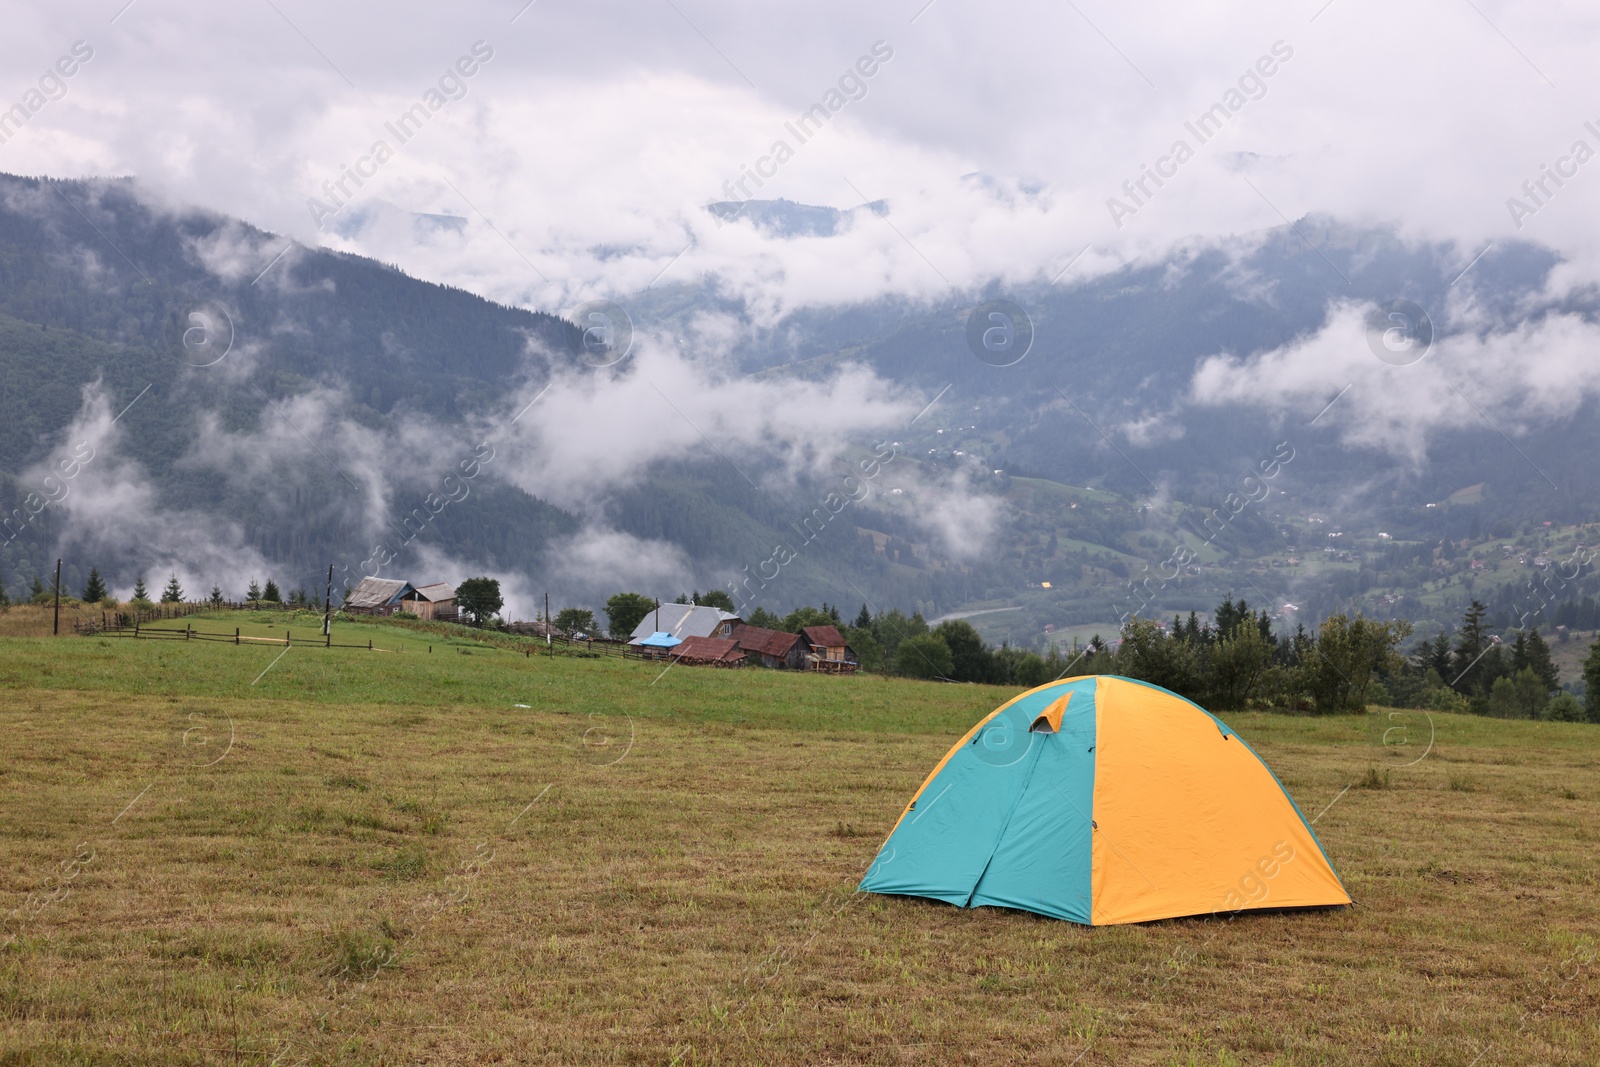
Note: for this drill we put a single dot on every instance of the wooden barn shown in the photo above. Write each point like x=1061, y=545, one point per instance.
x=436, y=601
x=770, y=648
x=824, y=649
x=378, y=596
x=708, y=652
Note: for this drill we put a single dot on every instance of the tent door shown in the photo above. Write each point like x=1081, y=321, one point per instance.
x=1027, y=778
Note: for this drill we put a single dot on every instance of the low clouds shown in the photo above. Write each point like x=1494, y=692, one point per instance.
x=584, y=153
x=1516, y=377
x=110, y=509
x=595, y=432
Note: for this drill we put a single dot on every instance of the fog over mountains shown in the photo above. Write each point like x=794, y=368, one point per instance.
x=253, y=406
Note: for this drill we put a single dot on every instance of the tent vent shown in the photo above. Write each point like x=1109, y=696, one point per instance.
x=1049, y=720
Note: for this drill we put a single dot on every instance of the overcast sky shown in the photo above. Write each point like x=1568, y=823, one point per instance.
x=594, y=133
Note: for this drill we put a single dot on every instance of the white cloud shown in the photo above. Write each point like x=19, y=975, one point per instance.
x=1536, y=371
x=597, y=133
x=109, y=507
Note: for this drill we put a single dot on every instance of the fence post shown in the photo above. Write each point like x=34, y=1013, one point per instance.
x=236, y=635
x=136, y=624
x=286, y=638
x=369, y=644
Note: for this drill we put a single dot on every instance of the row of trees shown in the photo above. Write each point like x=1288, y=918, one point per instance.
x=1481, y=672
x=1234, y=661
x=96, y=592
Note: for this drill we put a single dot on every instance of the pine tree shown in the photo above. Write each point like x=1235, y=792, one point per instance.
x=216, y=596
x=1591, y=683
x=1540, y=663
x=173, y=593
x=253, y=594
x=5, y=601
x=36, y=592
x=271, y=593
x=1471, y=645
x=1438, y=654
x=139, y=591
x=94, y=590
x=864, y=620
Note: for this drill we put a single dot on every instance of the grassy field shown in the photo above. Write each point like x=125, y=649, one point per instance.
x=209, y=856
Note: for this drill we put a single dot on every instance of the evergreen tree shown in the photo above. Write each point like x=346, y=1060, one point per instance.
x=216, y=596
x=1435, y=655
x=1228, y=616
x=1540, y=663
x=94, y=590
x=140, y=593
x=173, y=593
x=864, y=620
x=1591, y=682
x=5, y=600
x=271, y=594
x=1472, y=645
x=253, y=594
x=36, y=593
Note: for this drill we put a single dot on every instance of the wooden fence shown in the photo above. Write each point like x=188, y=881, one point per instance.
x=132, y=625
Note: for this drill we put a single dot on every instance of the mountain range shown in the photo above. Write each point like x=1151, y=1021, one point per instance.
x=1231, y=419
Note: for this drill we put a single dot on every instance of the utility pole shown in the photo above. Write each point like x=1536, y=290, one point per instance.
x=58, y=599
x=327, y=612
x=547, y=644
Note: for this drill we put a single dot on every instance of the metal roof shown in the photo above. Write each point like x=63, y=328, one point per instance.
x=682, y=620
x=436, y=592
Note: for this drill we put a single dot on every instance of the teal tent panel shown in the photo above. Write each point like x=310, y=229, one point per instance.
x=945, y=842
x=1044, y=858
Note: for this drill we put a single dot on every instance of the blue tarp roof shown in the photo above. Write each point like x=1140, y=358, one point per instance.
x=659, y=640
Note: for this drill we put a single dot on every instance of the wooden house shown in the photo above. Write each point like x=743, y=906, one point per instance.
x=824, y=649
x=770, y=648
x=436, y=601
x=685, y=621
x=378, y=596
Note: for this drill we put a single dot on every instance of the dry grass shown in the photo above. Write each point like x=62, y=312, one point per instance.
x=369, y=884
x=28, y=620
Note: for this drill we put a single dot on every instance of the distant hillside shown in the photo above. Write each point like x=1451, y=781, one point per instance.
x=95, y=284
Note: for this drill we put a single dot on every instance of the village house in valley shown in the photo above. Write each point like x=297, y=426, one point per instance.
x=684, y=621
x=770, y=648
x=385, y=596
x=377, y=596
x=825, y=650
x=436, y=601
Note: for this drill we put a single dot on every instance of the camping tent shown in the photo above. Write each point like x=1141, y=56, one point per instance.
x=1105, y=800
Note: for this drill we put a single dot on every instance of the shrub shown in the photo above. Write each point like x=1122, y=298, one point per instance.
x=924, y=656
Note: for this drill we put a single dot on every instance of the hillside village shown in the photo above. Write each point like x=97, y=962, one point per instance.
x=695, y=635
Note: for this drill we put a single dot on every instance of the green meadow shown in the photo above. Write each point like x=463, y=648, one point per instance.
x=221, y=854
